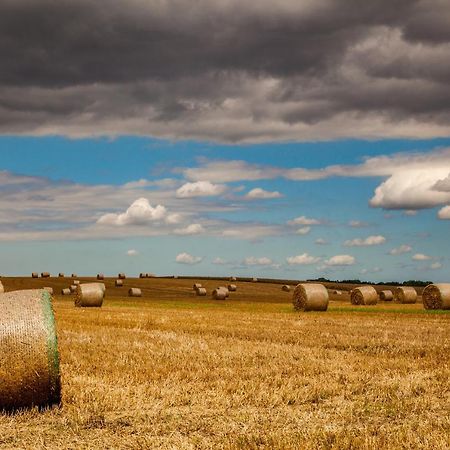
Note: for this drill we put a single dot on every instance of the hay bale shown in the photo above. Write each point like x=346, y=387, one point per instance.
x=142, y=275
x=121, y=276
x=60, y=275
x=219, y=294
x=286, y=288
x=74, y=275
x=223, y=288
x=150, y=275
x=29, y=359
x=364, y=295
x=101, y=285
x=196, y=286
x=386, y=296
x=45, y=274
x=336, y=292
x=34, y=275
x=436, y=296
x=118, y=283
x=201, y=292
x=232, y=287
x=66, y=291
x=255, y=280
x=405, y=294
x=48, y=289
x=89, y=294
x=100, y=276
x=134, y=292
x=232, y=279
x=310, y=297
x=73, y=288
x=76, y=282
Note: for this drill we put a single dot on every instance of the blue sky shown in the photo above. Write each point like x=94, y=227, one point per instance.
x=64, y=204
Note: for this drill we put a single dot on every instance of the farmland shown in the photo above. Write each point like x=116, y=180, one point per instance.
x=172, y=370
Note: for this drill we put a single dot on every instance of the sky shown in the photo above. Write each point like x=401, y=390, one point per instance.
x=289, y=139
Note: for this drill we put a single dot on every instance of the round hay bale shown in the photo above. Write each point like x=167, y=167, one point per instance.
x=223, y=288
x=436, y=296
x=34, y=275
x=255, y=280
x=386, y=296
x=48, y=289
x=233, y=279
x=73, y=288
x=60, y=275
x=149, y=275
x=74, y=275
x=66, y=291
x=175, y=277
x=196, y=286
x=76, y=282
x=405, y=294
x=121, y=276
x=134, y=292
x=101, y=285
x=118, y=283
x=100, y=276
x=232, y=287
x=286, y=288
x=364, y=295
x=219, y=294
x=201, y=292
x=310, y=297
x=142, y=275
x=45, y=274
x=29, y=361
x=89, y=294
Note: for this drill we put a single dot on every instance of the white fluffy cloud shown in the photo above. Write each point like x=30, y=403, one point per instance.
x=219, y=261
x=400, y=250
x=321, y=241
x=303, y=259
x=421, y=257
x=304, y=230
x=200, y=189
x=303, y=220
x=258, y=193
x=435, y=266
x=367, y=242
x=193, y=228
x=186, y=258
x=261, y=261
x=444, y=213
x=340, y=260
x=132, y=252
x=357, y=224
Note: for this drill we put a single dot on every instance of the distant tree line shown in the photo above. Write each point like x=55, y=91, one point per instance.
x=390, y=283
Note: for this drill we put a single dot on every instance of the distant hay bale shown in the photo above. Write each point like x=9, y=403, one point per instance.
x=73, y=288
x=29, y=358
x=232, y=279
x=121, y=276
x=436, y=296
x=219, y=294
x=134, y=292
x=89, y=295
x=118, y=283
x=76, y=282
x=142, y=275
x=100, y=276
x=74, y=275
x=60, y=275
x=201, y=291
x=48, y=289
x=66, y=291
x=175, y=276
x=336, y=292
x=45, y=274
x=232, y=287
x=286, y=288
x=386, y=296
x=310, y=297
x=34, y=275
x=196, y=286
x=364, y=295
x=405, y=294
x=149, y=275
x=254, y=279
x=225, y=289
x=2, y=288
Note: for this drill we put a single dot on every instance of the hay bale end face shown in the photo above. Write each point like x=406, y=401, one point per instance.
x=134, y=292
x=201, y=292
x=49, y=290
x=219, y=294
x=100, y=276
x=364, y=295
x=286, y=288
x=60, y=275
x=45, y=274
x=121, y=276
x=74, y=275
x=196, y=286
x=118, y=283
x=310, y=297
x=436, y=296
x=66, y=291
x=386, y=296
x=89, y=295
x=405, y=294
x=34, y=275
x=232, y=287
x=29, y=358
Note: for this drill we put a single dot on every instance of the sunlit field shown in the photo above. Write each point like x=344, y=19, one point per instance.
x=172, y=370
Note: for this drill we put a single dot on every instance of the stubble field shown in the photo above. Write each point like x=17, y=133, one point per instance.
x=171, y=370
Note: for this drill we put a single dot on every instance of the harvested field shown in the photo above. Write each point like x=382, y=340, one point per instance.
x=172, y=370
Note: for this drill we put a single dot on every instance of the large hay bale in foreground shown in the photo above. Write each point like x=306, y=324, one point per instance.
x=436, y=296
x=100, y=276
x=201, y=292
x=232, y=287
x=101, y=285
x=134, y=292
x=29, y=360
x=364, y=295
x=45, y=275
x=219, y=294
x=121, y=276
x=34, y=275
x=286, y=288
x=48, y=289
x=310, y=297
x=66, y=291
x=196, y=286
x=405, y=294
x=89, y=295
x=386, y=296
x=118, y=283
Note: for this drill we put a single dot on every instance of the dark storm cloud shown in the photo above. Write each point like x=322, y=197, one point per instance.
x=225, y=69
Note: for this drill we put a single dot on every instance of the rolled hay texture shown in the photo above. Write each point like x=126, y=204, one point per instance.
x=45, y=274
x=73, y=288
x=364, y=295
x=118, y=283
x=66, y=291
x=29, y=360
x=196, y=286
x=121, y=276
x=100, y=276
x=60, y=275
x=48, y=289
x=405, y=294
x=219, y=294
x=310, y=297
x=232, y=287
x=386, y=296
x=286, y=288
x=436, y=296
x=34, y=275
x=201, y=291
x=89, y=295
x=101, y=285
x=134, y=292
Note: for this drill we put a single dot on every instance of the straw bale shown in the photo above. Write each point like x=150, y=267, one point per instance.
x=118, y=283
x=364, y=295
x=196, y=286
x=29, y=360
x=101, y=285
x=436, y=296
x=223, y=288
x=286, y=288
x=142, y=275
x=134, y=292
x=60, y=275
x=121, y=276
x=34, y=275
x=45, y=274
x=219, y=294
x=232, y=287
x=201, y=291
x=233, y=279
x=386, y=295
x=255, y=279
x=48, y=289
x=405, y=294
x=74, y=275
x=66, y=291
x=76, y=282
x=73, y=288
x=310, y=297
x=100, y=276
x=89, y=294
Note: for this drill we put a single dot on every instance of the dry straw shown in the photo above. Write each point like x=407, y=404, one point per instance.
x=66, y=291
x=89, y=294
x=219, y=294
x=196, y=286
x=29, y=360
x=405, y=294
x=100, y=276
x=232, y=287
x=310, y=297
x=386, y=296
x=286, y=288
x=436, y=296
x=364, y=295
x=49, y=290
x=118, y=283
x=45, y=274
x=121, y=276
x=201, y=292
x=34, y=275
x=134, y=292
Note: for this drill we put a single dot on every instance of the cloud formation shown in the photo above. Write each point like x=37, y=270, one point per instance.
x=340, y=260
x=186, y=258
x=404, y=248
x=367, y=242
x=200, y=189
x=303, y=259
x=262, y=194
